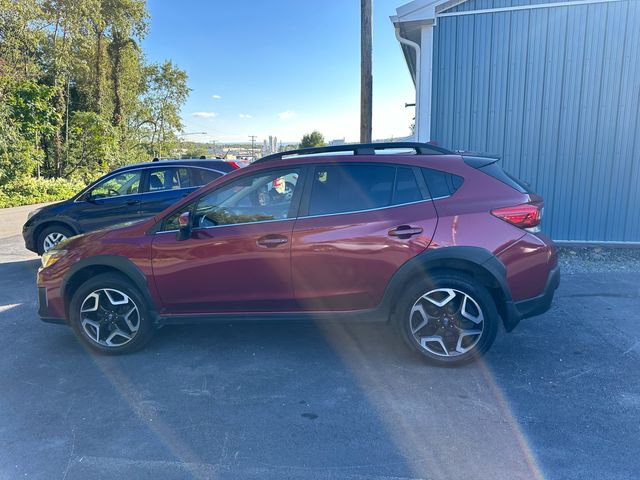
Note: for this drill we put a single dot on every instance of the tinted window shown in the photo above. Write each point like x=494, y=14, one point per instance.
x=126, y=183
x=260, y=197
x=202, y=177
x=441, y=184
x=407, y=189
x=349, y=188
x=168, y=179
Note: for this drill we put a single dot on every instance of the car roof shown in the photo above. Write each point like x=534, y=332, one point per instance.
x=211, y=164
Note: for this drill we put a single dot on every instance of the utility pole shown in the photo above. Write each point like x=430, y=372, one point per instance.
x=253, y=143
x=366, y=76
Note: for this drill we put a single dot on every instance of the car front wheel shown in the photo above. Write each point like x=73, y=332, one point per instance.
x=449, y=318
x=51, y=236
x=109, y=315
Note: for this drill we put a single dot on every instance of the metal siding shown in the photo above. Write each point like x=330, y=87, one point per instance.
x=553, y=89
x=482, y=4
x=624, y=213
x=555, y=92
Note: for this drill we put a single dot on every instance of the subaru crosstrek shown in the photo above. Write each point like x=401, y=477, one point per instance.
x=130, y=193
x=445, y=246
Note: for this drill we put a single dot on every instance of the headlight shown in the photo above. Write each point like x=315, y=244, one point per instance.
x=52, y=256
x=32, y=213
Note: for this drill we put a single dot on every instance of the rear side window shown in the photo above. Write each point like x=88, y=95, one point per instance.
x=169, y=178
x=350, y=188
x=441, y=184
x=406, y=188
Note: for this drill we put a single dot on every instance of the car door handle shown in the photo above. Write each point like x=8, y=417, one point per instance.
x=133, y=202
x=271, y=241
x=405, y=231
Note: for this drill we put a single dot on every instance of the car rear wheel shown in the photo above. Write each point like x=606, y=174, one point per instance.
x=51, y=236
x=109, y=315
x=449, y=318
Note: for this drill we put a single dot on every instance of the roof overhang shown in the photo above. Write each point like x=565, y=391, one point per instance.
x=411, y=17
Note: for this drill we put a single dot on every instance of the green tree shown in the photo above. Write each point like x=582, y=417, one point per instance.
x=32, y=111
x=159, y=118
x=93, y=146
x=76, y=94
x=313, y=139
x=17, y=154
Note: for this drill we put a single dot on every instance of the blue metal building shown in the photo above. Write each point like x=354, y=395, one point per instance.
x=551, y=87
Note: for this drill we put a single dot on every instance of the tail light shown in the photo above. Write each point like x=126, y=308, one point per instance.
x=526, y=216
x=234, y=165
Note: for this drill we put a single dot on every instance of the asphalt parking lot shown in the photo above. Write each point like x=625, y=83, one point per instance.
x=559, y=398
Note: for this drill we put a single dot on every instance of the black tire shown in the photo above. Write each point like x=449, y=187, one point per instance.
x=119, y=283
x=55, y=229
x=463, y=285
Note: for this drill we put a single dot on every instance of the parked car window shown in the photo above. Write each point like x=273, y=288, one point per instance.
x=125, y=183
x=255, y=198
x=168, y=179
x=406, y=188
x=441, y=184
x=350, y=188
x=200, y=176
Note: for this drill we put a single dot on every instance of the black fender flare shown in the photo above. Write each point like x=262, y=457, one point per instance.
x=115, y=262
x=68, y=222
x=483, y=262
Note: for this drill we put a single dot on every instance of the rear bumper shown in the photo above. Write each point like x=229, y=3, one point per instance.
x=540, y=304
x=531, y=307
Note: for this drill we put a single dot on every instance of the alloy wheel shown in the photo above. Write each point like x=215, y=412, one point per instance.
x=53, y=239
x=109, y=317
x=446, y=322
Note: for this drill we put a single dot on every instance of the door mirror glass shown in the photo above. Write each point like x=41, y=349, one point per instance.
x=184, y=224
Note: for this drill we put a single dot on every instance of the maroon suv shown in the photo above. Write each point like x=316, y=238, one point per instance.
x=443, y=245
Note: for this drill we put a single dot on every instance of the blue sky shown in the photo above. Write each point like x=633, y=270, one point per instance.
x=280, y=67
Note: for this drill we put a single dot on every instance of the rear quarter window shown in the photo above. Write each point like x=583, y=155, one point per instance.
x=200, y=176
x=441, y=184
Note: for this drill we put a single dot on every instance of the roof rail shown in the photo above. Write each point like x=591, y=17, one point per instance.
x=361, y=149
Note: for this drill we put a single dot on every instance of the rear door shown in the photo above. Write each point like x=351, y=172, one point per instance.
x=358, y=224
x=164, y=186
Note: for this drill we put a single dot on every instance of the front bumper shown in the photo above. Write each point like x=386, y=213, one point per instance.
x=43, y=308
x=28, y=236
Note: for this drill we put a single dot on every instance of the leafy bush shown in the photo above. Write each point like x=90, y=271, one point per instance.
x=27, y=190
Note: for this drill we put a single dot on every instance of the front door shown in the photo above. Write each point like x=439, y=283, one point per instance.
x=238, y=257
x=358, y=224
x=114, y=200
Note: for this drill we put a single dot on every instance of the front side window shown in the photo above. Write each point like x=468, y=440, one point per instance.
x=350, y=188
x=126, y=183
x=256, y=198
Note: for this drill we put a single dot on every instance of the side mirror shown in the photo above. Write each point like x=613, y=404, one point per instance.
x=184, y=223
